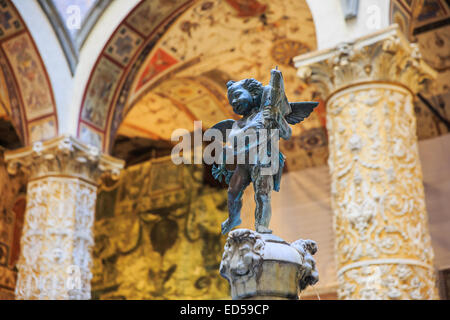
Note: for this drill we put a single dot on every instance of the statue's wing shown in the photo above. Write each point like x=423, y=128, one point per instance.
x=300, y=111
x=222, y=126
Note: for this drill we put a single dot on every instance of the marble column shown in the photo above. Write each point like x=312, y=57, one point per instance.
x=55, y=259
x=383, y=244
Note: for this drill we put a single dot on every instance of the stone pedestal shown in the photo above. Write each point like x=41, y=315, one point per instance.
x=264, y=266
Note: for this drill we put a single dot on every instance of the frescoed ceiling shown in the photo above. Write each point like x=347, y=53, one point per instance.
x=176, y=103
x=108, y=88
x=184, y=77
x=431, y=29
x=26, y=96
x=168, y=62
x=172, y=60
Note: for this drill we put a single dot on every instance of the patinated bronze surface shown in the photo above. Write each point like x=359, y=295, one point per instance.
x=262, y=108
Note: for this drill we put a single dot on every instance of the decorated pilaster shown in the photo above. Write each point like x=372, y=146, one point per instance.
x=55, y=259
x=383, y=244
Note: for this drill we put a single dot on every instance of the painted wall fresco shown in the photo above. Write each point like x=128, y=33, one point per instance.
x=135, y=35
x=124, y=45
x=157, y=235
x=156, y=113
x=12, y=210
x=30, y=76
x=434, y=46
x=431, y=10
x=98, y=99
x=229, y=39
x=160, y=61
x=5, y=104
x=10, y=21
x=432, y=33
x=43, y=129
x=29, y=89
x=215, y=41
x=89, y=134
x=400, y=13
x=195, y=40
x=199, y=98
x=427, y=24
x=10, y=99
x=198, y=40
x=150, y=14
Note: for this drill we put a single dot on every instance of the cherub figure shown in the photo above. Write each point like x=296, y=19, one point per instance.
x=261, y=107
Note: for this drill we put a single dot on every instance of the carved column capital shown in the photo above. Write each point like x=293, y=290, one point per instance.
x=63, y=156
x=56, y=244
x=384, y=56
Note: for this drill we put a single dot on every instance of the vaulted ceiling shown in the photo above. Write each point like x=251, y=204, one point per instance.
x=168, y=61
x=184, y=76
x=26, y=95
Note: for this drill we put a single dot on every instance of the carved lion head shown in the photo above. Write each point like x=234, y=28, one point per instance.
x=308, y=275
x=242, y=255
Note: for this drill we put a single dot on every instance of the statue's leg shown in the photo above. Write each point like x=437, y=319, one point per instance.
x=263, y=185
x=238, y=182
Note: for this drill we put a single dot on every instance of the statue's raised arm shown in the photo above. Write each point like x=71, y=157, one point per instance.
x=274, y=96
x=263, y=109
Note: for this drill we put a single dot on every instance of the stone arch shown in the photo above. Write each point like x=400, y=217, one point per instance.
x=125, y=71
x=26, y=91
x=120, y=58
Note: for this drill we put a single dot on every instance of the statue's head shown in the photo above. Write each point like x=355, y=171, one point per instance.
x=242, y=255
x=244, y=95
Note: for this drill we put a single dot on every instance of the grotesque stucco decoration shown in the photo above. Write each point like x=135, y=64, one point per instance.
x=377, y=192
x=242, y=257
x=158, y=238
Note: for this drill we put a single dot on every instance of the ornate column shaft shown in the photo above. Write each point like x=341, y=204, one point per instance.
x=55, y=259
x=383, y=244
